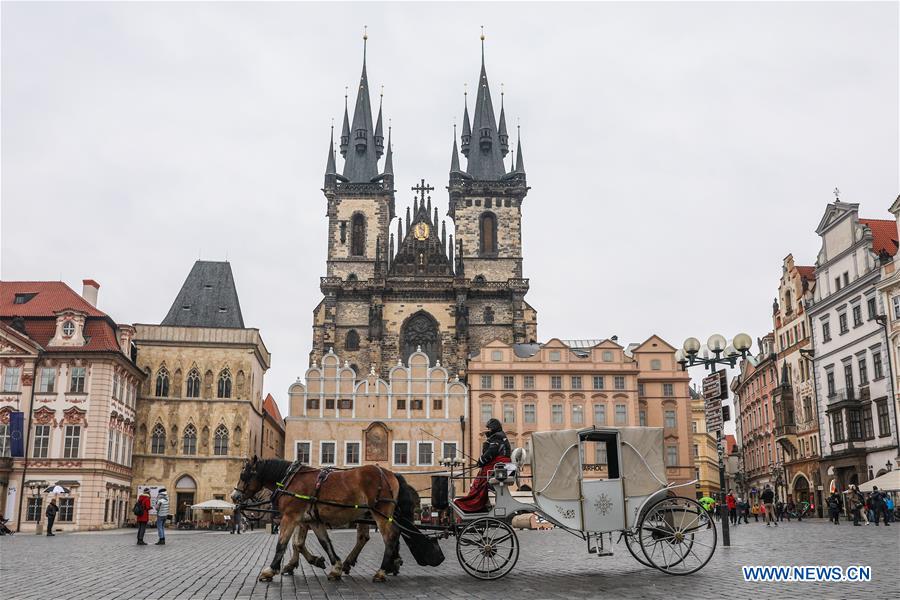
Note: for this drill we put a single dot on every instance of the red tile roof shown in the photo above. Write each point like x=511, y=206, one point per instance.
x=808, y=273
x=884, y=234
x=730, y=444
x=272, y=409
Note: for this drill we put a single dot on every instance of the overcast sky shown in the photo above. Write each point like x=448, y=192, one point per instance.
x=676, y=152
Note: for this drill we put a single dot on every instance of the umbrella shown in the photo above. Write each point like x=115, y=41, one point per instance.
x=706, y=501
x=56, y=489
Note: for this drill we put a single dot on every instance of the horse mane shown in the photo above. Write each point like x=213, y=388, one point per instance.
x=272, y=470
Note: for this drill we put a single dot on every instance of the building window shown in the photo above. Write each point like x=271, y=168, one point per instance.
x=189, y=446
x=842, y=323
x=857, y=315
x=554, y=356
x=868, y=429
x=694, y=427
x=577, y=414
x=599, y=414
x=327, y=453
x=47, y=382
x=34, y=509
x=66, y=509
x=621, y=414
x=837, y=426
x=555, y=382
x=826, y=331
x=351, y=453
x=598, y=382
x=488, y=316
x=607, y=356
x=576, y=382
x=5, y=450
x=884, y=421
x=600, y=456
x=351, y=342
x=557, y=414
x=529, y=382
x=863, y=370
x=488, y=233
x=854, y=424
x=487, y=412
x=695, y=449
x=193, y=384
x=224, y=388
x=358, y=235
x=671, y=421
x=487, y=382
x=509, y=413
x=896, y=302
x=425, y=454
x=71, y=441
x=509, y=382
x=642, y=417
x=401, y=403
x=158, y=440
x=870, y=304
x=401, y=453
x=450, y=450
x=829, y=380
x=438, y=403
x=877, y=366
x=671, y=456
x=668, y=390
x=619, y=382
x=641, y=392
x=41, y=441
x=848, y=377
x=302, y=450
x=220, y=444
x=655, y=364
x=76, y=382
x=496, y=355
x=529, y=413
x=162, y=383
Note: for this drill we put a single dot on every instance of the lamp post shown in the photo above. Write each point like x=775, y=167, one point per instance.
x=35, y=487
x=718, y=352
x=777, y=472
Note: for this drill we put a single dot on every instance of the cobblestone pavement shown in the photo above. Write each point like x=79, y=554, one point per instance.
x=551, y=565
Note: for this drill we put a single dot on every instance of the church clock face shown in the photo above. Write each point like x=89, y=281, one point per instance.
x=421, y=231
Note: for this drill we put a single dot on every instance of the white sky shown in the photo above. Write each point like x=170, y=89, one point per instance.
x=676, y=152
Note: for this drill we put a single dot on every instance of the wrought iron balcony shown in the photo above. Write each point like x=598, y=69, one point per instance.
x=854, y=394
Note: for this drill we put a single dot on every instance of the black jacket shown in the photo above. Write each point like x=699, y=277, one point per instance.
x=52, y=509
x=768, y=496
x=496, y=445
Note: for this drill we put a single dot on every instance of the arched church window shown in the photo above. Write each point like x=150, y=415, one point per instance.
x=193, y=384
x=358, y=235
x=352, y=340
x=162, y=383
x=488, y=233
x=421, y=331
x=479, y=279
x=488, y=314
x=224, y=388
x=158, y=440
x=352, y=277
x=220, y=443
x=190, y=440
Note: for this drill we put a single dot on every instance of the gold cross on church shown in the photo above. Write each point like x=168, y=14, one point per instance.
x=422, y=188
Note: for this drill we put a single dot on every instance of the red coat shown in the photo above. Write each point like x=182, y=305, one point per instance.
x=730, y=502
x=144, y=517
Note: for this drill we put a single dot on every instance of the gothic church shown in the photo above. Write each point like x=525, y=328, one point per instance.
x=396, y=283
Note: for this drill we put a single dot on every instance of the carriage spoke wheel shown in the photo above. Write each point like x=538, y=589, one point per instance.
x=634, y=546
x=487, y=548
x=677, y=536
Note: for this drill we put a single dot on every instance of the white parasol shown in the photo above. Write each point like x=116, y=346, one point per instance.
x=56, y=489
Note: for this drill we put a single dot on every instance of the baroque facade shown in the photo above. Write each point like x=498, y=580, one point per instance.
x=889, y=318
x=576, y=384
x=200, y=411
x=69, y=368
x=794, y=400
x=395, y=284
x=703, y=449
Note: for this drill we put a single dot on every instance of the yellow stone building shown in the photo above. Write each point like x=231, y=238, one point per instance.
x=703, y=449
x=200, y=413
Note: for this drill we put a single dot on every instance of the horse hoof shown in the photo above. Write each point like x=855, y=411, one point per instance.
x=346, y=568
x=287, y=571
x=265, y=578
x=334, y=577
x=319, y=562
x=379, y=578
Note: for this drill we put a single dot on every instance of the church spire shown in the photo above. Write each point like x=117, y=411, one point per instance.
x=379, y=131
x=330, y=168
x=361, y=164
x=520, y=163
x=485, y=160
x=466, y=128
x=454, y=157
x=504, y=138
x=389, y=157
x=345, y=130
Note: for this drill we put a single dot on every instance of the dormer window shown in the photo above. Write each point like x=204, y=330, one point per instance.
x=23, y=298
x=485, y=141
x=68, y=329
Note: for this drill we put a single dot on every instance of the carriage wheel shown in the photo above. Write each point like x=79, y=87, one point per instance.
x=487, y=548
x=634, y=546
x=677, y=536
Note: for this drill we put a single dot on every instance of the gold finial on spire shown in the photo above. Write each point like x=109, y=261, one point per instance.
x=482, y=33
x=365, y=32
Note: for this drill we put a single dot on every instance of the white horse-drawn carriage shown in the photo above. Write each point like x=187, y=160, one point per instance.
x=661, y=530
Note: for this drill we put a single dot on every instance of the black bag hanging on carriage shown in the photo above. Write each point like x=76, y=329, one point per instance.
x=424, y=549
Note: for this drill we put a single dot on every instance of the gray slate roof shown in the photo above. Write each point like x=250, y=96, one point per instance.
x=208, y=298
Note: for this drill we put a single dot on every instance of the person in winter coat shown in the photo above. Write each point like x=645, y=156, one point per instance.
x=834, y=508
x=142, y=504
x=744, y=511
x=855, y=500
x=52, y=509
x=496, y=449
x=879, y=506
x=768, y=499
x=731, y=503
x=162, y=512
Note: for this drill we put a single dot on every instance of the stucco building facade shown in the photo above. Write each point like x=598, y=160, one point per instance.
x=889, y=318
x=200, y=411
x=703, y=449
x=68, y=367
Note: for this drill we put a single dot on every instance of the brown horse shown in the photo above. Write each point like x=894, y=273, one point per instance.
x=343, y=498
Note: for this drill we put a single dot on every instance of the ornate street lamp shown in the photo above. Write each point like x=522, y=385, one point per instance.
x=717, y=352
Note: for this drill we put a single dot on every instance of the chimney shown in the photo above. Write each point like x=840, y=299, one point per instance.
x=89, y=291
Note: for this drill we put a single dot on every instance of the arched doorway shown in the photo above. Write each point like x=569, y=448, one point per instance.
x=801, y=490
x=420, y=331
x=185, y=496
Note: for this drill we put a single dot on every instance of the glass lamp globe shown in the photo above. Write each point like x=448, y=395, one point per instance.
x=716, y=343
x=742, y=342
x=691, y=346
x=731, y=351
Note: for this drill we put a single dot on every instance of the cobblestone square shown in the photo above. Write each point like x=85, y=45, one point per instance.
x=552, y=564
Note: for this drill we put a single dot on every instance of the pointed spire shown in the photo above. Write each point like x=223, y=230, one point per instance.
x=520, y=163
x=504, y=137
x=444, y=235
x=454, y=156
x=485, y=160
x=435, y=221
x=361, y=164
x=407, y=218
x=330, y=168
x=379, y=132
x=345, y=130
x=467, y=128
x=450, y=255
x=428, y=213
x=391, y=251
x=389, y=158
x=400, y=227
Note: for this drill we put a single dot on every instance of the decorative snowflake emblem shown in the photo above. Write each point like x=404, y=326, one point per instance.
x=566, y=513
x=603, y=504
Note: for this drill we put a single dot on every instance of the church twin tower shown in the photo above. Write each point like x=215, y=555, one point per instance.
x=395, y=284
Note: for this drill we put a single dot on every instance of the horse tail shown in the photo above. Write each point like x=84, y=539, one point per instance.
x=405, y=499
x=424, y=549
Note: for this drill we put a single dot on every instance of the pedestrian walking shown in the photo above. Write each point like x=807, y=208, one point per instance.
x=162, y=513
x=779, y=510
x=745, y=511
x=731, y=503
x=879, y=507
x=889, y=507
x=52, y=509
x=236, y=521
x=768, y=500
x=790, y=507
x=834, y=508
x=854, y=498
x=754, y=510
x=141, y=512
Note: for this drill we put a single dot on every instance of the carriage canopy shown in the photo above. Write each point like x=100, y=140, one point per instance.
x=556, y=467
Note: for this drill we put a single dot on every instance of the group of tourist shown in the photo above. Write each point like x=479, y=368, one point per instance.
x=874, y=506
x=771, y=510
x=142, y=515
